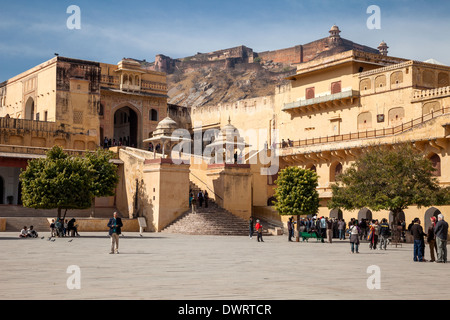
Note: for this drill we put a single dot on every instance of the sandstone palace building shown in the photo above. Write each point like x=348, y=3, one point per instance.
x=337, y=99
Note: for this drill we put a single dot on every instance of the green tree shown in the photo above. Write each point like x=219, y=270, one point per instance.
x=296, y=192
x=63, y=182
x=104, y=173
x=388, y=179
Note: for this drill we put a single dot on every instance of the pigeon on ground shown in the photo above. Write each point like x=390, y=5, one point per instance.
x=53, y=240
x=70, y=240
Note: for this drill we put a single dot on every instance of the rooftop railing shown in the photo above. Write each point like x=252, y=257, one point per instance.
x=376, y=133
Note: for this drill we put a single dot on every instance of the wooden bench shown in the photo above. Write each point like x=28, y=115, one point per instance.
x=307, y=235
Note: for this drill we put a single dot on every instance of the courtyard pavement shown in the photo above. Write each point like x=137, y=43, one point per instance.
x=161, y=266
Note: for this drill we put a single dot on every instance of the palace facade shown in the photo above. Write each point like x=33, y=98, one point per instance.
x=342, y=101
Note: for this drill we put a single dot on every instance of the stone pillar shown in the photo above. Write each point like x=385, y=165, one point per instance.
x=232, y=184
x=166, y=195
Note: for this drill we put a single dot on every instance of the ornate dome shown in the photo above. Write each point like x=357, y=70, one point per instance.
x=165, y=127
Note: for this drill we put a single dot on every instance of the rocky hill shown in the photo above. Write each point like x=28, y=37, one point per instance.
x=238, y=73
x=212, y=85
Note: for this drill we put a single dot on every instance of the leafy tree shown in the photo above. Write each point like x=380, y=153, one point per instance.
x=296, y=192
x=63, y=182
x=105, y=176
x=388, y=179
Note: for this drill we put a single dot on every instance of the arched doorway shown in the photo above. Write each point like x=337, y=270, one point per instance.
x=336, y=214
x=400, y=217
x=431, y=212
x=365, y=213
x=126, y=127
x=29, y=109
x=2, y=191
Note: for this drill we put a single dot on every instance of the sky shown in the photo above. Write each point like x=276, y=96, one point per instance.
x=31, y=32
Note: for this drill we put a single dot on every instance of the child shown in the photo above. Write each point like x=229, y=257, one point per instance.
x=52, y=228
x=259, y=230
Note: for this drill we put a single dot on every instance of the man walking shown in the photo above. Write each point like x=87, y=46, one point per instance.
x=115, y=225
x=441, y=232
x=250, y=226
x=341, y=228
x=290, y=229
x=329, y=230
x=385, y=232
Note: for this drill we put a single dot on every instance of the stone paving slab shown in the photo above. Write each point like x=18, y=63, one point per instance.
x=179, y=267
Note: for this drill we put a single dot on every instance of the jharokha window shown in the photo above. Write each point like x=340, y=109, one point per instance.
x=310, y=93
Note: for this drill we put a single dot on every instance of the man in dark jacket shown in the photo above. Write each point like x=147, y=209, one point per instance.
x=385, y=233
x=115, y=225
x=441, y=232
x=431, y=239
x=419, y=242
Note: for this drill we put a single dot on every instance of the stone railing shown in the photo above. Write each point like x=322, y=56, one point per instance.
x=29, y=125
x=149, y=85
x=431, y=93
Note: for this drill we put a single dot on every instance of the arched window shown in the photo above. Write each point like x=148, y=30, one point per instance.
x=436, y=162
x=101, y=110
x=335, y=171
x=154, y=115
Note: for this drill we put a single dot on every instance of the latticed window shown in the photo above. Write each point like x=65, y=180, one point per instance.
x=78, y=117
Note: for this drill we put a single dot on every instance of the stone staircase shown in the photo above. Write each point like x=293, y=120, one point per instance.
x=213, y=220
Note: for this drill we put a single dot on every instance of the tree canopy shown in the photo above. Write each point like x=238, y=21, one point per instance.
x=296, y=192
x=63, y=182
x=385, y=178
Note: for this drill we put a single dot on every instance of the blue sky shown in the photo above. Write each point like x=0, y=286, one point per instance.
x=32, y=31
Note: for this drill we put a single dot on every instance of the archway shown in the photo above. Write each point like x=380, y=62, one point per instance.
x=365, y=213
x=400, y=217
x=126, y=127
x=431, y=212
x=336, y=214
x=29, y=109
x=335, y=171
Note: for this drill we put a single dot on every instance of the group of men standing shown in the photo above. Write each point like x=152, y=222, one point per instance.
x=436, y=235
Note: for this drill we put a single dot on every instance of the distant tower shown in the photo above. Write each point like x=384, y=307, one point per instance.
x=334, y=34
x=383, y=48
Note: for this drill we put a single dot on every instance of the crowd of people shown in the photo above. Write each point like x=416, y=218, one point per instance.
x=60, y=228
x=377, y=234
x=125, y=141
x=197, y=200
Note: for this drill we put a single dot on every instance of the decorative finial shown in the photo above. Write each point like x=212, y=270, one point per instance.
x=229, y=120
